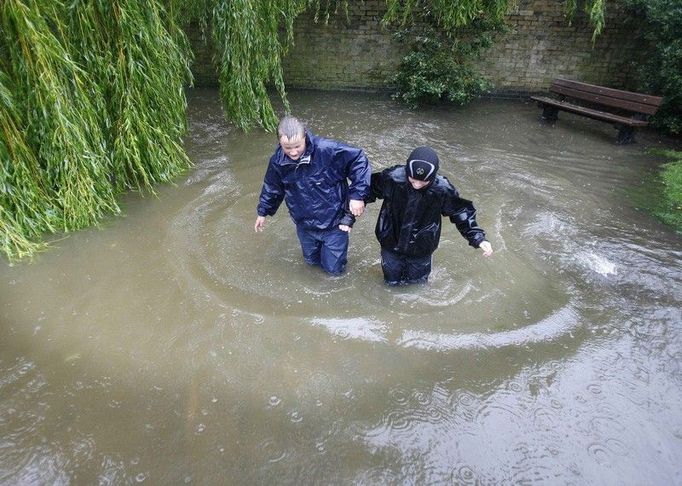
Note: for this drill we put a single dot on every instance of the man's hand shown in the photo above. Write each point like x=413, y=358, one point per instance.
x=344, y=227
x=357, y=207
x=486, y=247
x=260, y=223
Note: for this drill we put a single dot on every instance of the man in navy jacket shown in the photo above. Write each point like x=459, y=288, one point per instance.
x=415, y=198
x=310, y=174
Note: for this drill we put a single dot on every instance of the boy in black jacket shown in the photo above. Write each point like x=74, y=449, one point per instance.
x=409, y=224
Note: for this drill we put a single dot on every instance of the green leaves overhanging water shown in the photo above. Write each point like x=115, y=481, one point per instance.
x=92, y=104
x=249, y=50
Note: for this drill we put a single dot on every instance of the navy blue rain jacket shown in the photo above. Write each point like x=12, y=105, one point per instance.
x=315, y=187
x=410, y=220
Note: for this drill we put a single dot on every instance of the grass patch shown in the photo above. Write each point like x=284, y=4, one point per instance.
x=670, y=207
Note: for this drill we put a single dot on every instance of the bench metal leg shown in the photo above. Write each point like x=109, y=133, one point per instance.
x=550, y=113
x=626, y=134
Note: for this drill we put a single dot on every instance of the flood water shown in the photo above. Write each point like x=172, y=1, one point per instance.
x=176, y=345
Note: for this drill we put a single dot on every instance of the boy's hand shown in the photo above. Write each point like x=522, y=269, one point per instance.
x=260, y=223
x=344, y=227
x=357, y=207
x=486, y=247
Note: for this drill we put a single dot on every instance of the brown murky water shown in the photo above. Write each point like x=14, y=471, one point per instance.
x=175, y=345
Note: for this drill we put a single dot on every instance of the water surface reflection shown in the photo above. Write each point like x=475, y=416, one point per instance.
x=176, y=345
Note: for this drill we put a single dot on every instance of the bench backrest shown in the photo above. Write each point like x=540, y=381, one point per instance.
x=626, y=100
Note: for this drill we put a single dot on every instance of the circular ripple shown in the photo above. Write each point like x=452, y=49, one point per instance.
x=464, y=475
x=600, y=453
x=216, y=253
x=399, y=396
x=272, y=451
x=219, y=257
x=422, y=398
x=400, y=420
x=545, y=418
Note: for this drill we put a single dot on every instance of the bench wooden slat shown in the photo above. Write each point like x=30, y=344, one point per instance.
x=590, y=113
x=644, y=99
x=604, y=99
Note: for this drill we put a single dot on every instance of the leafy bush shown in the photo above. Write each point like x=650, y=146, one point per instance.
x=440, y=64
x=434, y=72
x=659, y=25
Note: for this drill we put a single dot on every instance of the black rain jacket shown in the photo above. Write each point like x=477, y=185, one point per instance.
x=410, y=220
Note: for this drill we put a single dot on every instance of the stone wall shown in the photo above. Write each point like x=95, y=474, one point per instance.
x=543, y=45
x=346, y=52
x=354, y=52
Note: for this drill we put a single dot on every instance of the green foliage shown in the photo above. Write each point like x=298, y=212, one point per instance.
x=141, y=60
x=659, y=25
x=446, y=14
x=439, y=67
x=60, y=113
x=434, y=72
x=249, y=38
x=24, y=201
x=246, y=34
x=669, y=205
x=92, y=103
x=595, y=10
x=325, y=8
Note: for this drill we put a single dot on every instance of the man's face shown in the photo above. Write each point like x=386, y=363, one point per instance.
x=292, y=147
x=417, y=184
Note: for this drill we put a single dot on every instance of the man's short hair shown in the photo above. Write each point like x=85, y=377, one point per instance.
x=291, y=127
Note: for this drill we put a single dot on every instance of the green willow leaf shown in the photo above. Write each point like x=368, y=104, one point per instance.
x=93, y=103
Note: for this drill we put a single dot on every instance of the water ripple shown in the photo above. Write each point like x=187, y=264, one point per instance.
x=559, y=324
x=466, y=475
x=356, y=328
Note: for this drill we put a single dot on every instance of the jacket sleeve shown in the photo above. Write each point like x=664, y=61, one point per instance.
x=272, y=193
x=376, y=187
x=462, y=214
x=357, y=169
x=348, y=219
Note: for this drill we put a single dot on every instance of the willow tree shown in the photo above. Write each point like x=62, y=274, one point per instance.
x=92, y=104
x=50, y=105
x=249, y=38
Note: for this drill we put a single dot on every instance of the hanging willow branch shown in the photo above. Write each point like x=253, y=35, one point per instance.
x=595, y=10
x=246, y=34
x=61, y=115
x=143, y=63
x=24, y=199
x=448, y=15
x=452, y=15
x=92, y=103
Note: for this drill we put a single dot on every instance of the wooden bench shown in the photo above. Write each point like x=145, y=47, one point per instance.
x=625, y=109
